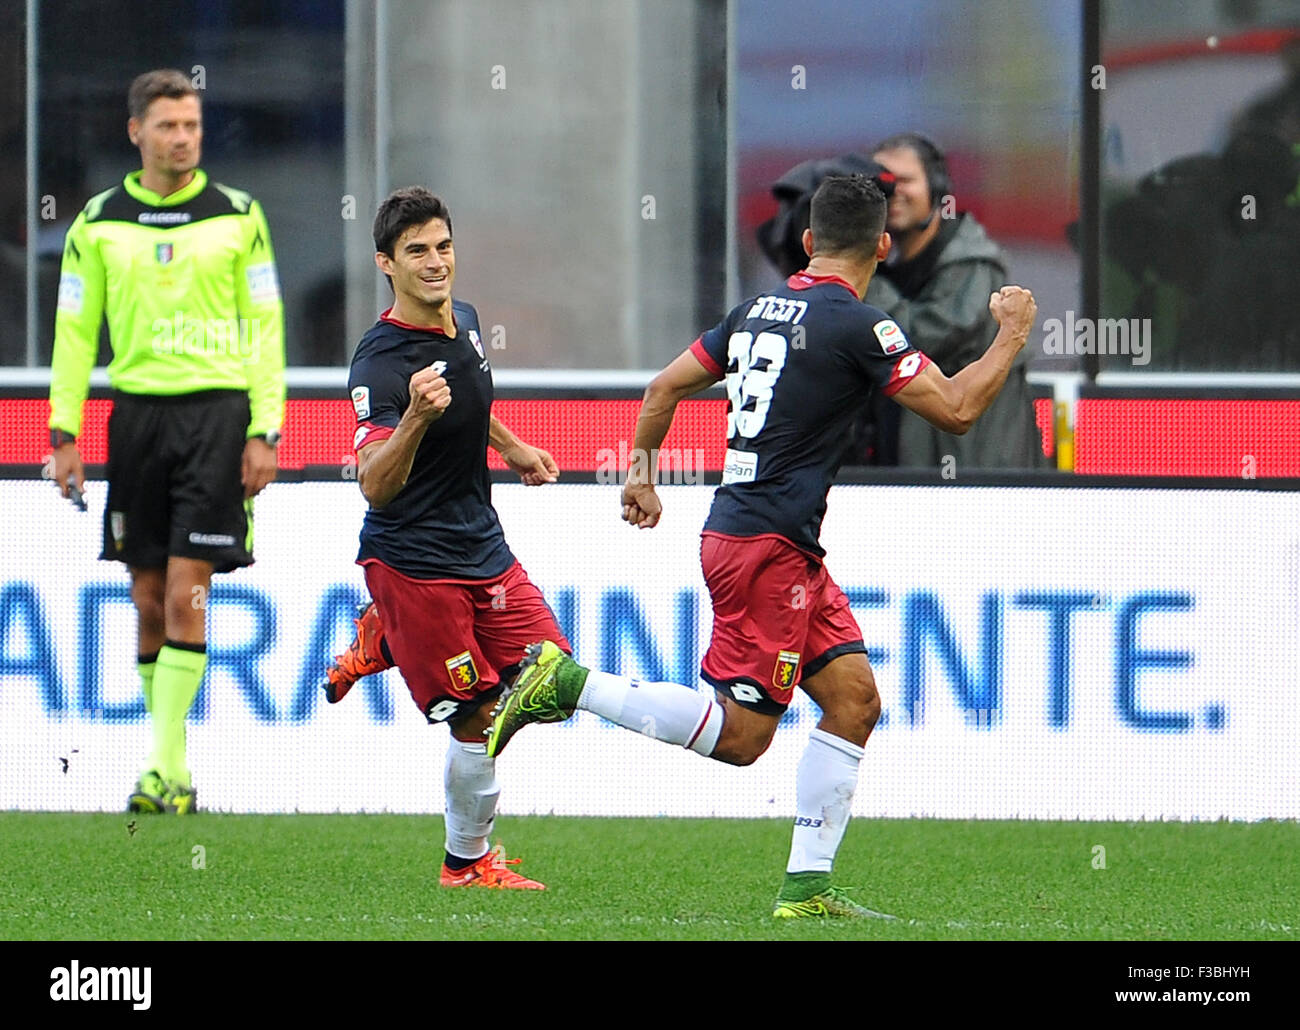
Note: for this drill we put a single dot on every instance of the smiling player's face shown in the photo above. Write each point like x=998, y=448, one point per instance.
x=423, y=264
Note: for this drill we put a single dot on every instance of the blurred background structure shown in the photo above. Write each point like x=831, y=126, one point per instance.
x=1125, y=652
x=607, y=162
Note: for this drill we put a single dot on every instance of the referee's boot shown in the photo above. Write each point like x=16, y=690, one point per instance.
x=155, y=796
x=366, y=655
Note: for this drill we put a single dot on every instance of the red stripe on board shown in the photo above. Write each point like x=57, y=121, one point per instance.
x=1250, y=438
x=1167, y=437
x=579, y=434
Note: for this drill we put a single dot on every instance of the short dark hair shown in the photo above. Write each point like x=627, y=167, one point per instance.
x=847, y=214
x=161, y=82
x=402, y=209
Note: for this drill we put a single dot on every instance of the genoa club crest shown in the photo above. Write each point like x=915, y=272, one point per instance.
x=462, y=672
x=163, y=252
x=787, y=664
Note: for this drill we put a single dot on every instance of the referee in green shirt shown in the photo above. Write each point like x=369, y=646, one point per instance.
x=183, y=270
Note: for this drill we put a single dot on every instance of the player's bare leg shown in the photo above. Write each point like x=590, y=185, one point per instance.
x=745, y=734
x=845, y=690
x=472, y=793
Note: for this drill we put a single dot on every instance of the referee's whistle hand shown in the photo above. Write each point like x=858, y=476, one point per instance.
x=258, y=466
x=68, y=468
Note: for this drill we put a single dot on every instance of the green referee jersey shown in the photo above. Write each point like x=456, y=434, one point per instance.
x=189, y=287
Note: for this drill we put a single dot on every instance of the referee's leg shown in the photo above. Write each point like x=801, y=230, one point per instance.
x=182, y=660
x=186, y=601
x=148, y=594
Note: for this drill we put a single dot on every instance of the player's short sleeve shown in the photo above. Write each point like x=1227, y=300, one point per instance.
x=379, y=398
x=710, y=348
x=883, y=352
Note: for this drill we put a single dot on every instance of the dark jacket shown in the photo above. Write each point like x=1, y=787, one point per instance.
x=941, y=300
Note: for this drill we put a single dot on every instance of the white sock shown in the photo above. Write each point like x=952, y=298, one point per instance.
x=666, y=711
x=828, y=774
x=472, y=792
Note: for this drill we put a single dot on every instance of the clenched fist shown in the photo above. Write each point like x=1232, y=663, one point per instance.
x=1014, y=308
x=430, y=394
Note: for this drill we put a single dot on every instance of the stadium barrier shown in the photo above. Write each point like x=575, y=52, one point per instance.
x=1055, y=652
x=1164, y=425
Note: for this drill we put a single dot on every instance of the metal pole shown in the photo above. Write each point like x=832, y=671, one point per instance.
x=383, y=127
x=732, y=256
x=33, y=222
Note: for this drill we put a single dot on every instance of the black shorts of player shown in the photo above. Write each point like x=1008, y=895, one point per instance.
x=174, y=480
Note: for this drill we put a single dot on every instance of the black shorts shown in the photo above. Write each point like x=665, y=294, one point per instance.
x=174, y=471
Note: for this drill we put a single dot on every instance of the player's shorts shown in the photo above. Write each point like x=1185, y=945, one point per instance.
x=454, y=640
x=174, y=480
x=778, y=617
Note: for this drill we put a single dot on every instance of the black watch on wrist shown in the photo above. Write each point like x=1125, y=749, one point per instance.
x=59, y=437
x=271, y=437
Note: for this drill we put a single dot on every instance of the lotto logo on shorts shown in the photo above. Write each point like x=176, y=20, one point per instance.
x=787, y=664
x=462, y=671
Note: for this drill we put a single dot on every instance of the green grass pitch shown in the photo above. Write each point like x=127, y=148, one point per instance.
x=343, y=877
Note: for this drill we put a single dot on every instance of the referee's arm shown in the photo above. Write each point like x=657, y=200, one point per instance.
x=258, y=293
x=76, y=343
x=257, y=289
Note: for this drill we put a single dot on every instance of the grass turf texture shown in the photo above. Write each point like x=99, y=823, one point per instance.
x=298, y=877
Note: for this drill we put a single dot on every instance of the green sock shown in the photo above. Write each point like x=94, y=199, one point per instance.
x=179, y=671
x=570, y=678
x=802, y=886
x=145, y=665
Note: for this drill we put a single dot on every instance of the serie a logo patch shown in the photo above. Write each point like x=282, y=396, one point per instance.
x=890, y=336
x=787, y=664
x=462, y=671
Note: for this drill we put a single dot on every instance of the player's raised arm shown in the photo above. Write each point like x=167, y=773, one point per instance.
x=384, y=466
x=953, y=404
x=685, y=376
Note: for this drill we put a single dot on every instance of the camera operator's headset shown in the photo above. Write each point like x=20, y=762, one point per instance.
x=932, y=160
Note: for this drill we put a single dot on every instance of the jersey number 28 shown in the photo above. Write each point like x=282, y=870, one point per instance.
x=754, y=364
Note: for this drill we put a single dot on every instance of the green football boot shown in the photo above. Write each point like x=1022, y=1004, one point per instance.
x=546, y=690
x=831, y=903
x=148, y=795
x=181, y=800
